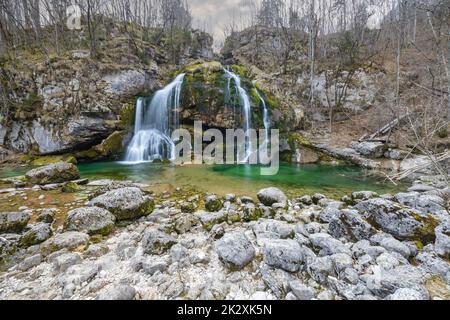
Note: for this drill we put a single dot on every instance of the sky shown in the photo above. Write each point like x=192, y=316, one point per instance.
x=215, y=15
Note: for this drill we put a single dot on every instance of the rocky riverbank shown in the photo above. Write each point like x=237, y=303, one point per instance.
x=119, y=240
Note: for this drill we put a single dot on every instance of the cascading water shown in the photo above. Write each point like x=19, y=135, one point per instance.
x=244, y=101
x=152, y=132
x=266, y=120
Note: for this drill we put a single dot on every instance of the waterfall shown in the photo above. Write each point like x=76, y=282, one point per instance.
x=153, y=127
x=266, y=120
x=244, y=100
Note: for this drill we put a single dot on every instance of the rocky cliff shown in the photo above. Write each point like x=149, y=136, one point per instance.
x=71, y=103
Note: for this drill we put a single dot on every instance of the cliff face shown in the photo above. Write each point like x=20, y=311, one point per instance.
x=71, y=103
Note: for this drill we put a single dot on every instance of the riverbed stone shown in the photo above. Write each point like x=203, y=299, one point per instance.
x=327, y=245
x=351, y=225
x=72, y=241
x=53, y=173
x=302, y=291
x=92, y=220
x=283, y=254
x=235, y=250
x=36, y=234
x=405, y=294
x=213, y=203
x=442, y=244
x=13, y=221
x=157, y=242
x=273, y=229
x=270, y=196
x=125, y=203
x=210, y=219
x=402, y=223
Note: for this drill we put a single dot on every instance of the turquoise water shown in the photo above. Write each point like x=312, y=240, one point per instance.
x=242, y=179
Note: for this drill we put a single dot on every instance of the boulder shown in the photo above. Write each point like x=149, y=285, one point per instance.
x=405, y=294
x=72, y=241
x=442, y=244
x=13, y=222
x=156, y=242
x=270, y=196
x=327, y=245
x=402, y=223
x=125, y=203
x=370, y=149
x=273, y=229
x=53, y=173
x=36, y=234
x=350, y=224
x=213, y=203
x=302, y=291
x=92, y=220
x=283, y=254
x=235, y=250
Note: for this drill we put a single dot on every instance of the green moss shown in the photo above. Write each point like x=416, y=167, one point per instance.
x=39, y=161
x=426, y=234
x=70, y=187
x=127, y=115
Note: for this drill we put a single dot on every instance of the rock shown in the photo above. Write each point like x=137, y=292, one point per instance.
x=64, y=261
x=235, y=250
x=76, y=275
x=350, y=225
x=433, y=264
x=277, y=280
x=230, y=198
x=273, y=229
x=46, y=216
x=327, y=245
x=70, y=187
x=188, y=207
x=53, y=173
x=405, y=294
x=320, y=269
x=153, y=266
x=13, y=222
x=370, y=149
x=442, y=244
x=394, y=245
x=283, y=254
x=185, y=223
x=30, y=262
x=316, y=198
x=72, y=241
x=198, y=257
x=117, y=292
x=402, y=223
x=178, y=254
x=210, y=219
x=92, y=220
x=7, y=248
x=125, y=203
x=125, y=83
x=364, y=195
x=301, y=291
x=306, y=200
x=156, y=242
x=270, y=196
x=387, y=282
x=251, y=213
x=36, y=234
x=213, y=203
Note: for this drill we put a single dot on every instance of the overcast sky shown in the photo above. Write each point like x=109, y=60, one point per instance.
x=215, y=15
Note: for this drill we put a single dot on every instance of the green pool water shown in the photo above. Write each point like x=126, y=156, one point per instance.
x=333, y=181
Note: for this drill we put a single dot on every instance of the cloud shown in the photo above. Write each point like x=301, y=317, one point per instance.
x=215, y=15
